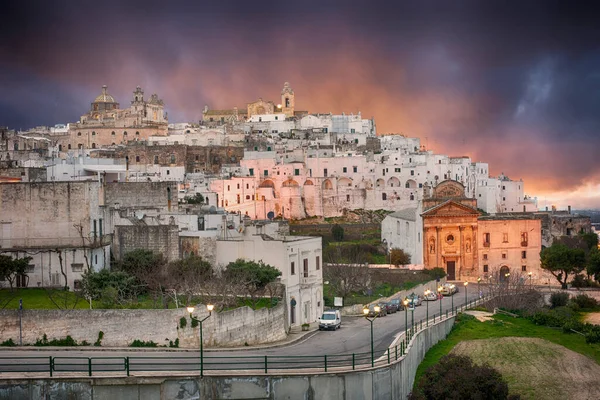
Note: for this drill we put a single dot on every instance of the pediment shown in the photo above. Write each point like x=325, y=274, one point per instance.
x=450, y=208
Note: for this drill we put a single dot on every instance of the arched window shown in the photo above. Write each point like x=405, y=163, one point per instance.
x=80, y=146
x=78, y=133
x=113, y=133
x=137, y=134
x=69, y=147
x=383, y=196
x=93, y=145
x=60, y=147
x=93, y=133
x=125, y=133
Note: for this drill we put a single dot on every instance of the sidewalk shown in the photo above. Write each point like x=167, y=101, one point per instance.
x=295, y=336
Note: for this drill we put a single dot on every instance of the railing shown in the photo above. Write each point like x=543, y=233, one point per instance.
x=280, y=364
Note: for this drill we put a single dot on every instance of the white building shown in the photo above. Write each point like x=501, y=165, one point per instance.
x=298, y=258
x=404, y=230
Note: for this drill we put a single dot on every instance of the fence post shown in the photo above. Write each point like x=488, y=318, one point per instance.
x=402, y=348
x=51, y=360
x=353, y=361
x=396, y=351
x=127, y=365
x=388, y=355
x=265, y=364
x=89, y=366
x=446, y=314
x=434, y=318
x=325, y=356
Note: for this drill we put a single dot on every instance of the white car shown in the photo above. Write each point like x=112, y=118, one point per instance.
x=330, y=320
x=430, y=297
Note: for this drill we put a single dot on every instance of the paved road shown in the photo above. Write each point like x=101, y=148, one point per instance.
x=353, y=337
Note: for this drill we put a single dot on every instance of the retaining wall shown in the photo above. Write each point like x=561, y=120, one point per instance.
x=121, y=327
x=391, y=382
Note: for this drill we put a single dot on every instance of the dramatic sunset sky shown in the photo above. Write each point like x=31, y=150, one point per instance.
x=516, y=86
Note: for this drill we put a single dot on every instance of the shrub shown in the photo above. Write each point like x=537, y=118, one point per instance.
x=174, y=344
x=593, y=334
x=194, y=322
x=435, y=273
x=182, y=322
x=337, y=232
x=584, y=301
x=8, y=343
x=66, y=342
x=141, y=343
x=456, y=377
x=98, y=342
x=559, y=299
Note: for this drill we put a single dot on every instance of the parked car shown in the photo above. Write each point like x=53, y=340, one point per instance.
x=448, y=289
x=330, y=320
x=430, y=297
x=390, y=307
x=372, y=313
x=398, y=303
x=415, y=299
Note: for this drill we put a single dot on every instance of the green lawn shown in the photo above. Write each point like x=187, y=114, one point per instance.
x=469, y=328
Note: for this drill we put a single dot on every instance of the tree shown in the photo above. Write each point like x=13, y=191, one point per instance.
x=11, y=268
x=196, y=199
x=149, y=268
x=188, y=276
x=456, y=377
x=337, y=232
x=593, y=264
x=112, y=287
x=399, y=257
x=253, y=276
x=561, y=261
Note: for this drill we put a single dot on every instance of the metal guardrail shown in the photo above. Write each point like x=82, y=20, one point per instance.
x=131, y=365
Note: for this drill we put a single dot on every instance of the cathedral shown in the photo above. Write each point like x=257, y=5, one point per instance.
x=106, y=124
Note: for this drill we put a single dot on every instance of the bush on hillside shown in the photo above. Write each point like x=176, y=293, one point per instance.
x=584, y=301
x=456, y=377
x=337, y=232
x=559, y=299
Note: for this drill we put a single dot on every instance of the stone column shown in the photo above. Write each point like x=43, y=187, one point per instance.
x=461, y=249
x=438, y=247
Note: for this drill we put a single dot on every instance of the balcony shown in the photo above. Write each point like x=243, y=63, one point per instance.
x=486, y=244
x=524, y=243
x=309, y=280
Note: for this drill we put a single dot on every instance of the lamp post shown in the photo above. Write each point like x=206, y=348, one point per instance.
x=441, y=297
x=478, y=287
x=452, y=295
x=405, y=302
x=190, y=309
x=530, y=280
x=376, y=310
x=466, y=300
x=427, y=293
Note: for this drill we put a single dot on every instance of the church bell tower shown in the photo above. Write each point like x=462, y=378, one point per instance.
x=287, y=100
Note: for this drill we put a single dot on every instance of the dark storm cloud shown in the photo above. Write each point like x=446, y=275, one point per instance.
x=515, y=84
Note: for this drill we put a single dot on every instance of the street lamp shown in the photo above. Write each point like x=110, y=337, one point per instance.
x=405, y=302
x=530, y=280
x=478, y=288
x=376, y=310
x=466, y=284
x=427, y=293
x=452, y=295
x=441, y=297
x=190, y=309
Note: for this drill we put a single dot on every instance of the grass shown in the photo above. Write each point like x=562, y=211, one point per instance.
x=383, y=290
x=469, y=328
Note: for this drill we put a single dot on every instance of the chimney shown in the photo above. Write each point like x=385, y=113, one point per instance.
x=546, y=208
x=524, y=208
x=569, y=209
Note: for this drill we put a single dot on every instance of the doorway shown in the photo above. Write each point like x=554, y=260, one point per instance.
x=451, y=270
x=504, y=274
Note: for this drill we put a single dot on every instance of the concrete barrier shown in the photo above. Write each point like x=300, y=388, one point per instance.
x=393, y=381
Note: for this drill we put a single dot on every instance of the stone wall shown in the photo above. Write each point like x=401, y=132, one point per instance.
x=141, y=194
x=223, y=329
x=163, y=239
x=393, y=381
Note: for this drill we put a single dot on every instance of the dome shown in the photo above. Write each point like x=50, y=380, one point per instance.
x=104, y=97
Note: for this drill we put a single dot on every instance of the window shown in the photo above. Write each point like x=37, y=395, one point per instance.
x=68, y=147
x=247, y=197
x=504, y=256
x=125, y=133
x=397, y=170
x=138, y=134
x=485, y=268
x=292, y=268
x=344, y=169
x=485, y=256
x=251, y=171
x=347, y=197
x=524, y=254
x=228, y=188
x=238, y=185
x=450, y=239
x=505, y=237
x=93, y=133
x=247, y=186
x=168, y=172
x=305, y=267
x=296, y=171
x=93, y=145
x=155, y=159
x=266, y=172
x=412, y=172
x=172, y=158
x=352, y=130
x=383, y=196
x=355, y=169
x=77, y=267
x=486, y=240
x=137, y=158
x=78, y=133
x=77, y=284
x=80, y=146
x=112, y=133
x=524, y=268
x=318, y=263
x=276, y=118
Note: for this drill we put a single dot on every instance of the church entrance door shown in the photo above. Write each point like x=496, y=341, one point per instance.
x=451, y=270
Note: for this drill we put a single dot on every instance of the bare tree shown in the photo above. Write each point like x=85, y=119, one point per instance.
x=511, y=291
